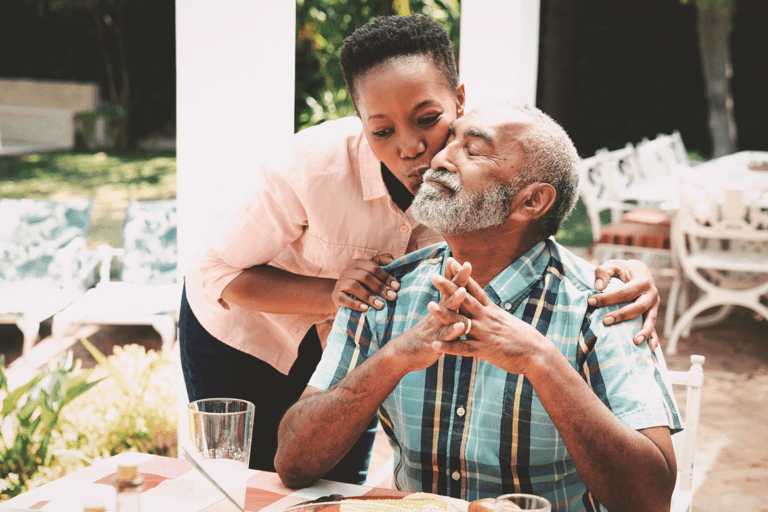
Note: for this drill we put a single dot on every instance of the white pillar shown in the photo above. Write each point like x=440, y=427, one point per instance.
x=499, y=50
x=235, y=80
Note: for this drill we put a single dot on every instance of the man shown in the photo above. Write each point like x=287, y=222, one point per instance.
x=494, y=375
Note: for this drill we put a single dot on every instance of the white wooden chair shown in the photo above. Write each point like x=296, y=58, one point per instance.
x=638, y=233
x=659, y=157
x=720, y=238
x=685, y=441
x=147, y=291
x=44, y=260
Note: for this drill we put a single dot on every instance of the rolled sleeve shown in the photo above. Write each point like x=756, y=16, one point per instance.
x=266, y=222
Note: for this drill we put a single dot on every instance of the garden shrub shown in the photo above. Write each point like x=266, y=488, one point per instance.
x=133, y=409
x=28, y=418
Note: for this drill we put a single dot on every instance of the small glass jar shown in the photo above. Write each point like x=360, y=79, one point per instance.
x=128, y=484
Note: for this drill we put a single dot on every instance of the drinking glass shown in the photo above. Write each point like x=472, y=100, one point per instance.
x=220, y=432
x=528, y=502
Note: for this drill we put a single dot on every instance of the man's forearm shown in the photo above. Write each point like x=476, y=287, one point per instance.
x=623, y=468
x=321, y=427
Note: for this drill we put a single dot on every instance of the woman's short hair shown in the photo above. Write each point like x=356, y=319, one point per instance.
x=389, y=37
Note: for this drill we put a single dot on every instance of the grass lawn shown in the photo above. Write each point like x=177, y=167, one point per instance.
x=112, y=180
x=109, y=180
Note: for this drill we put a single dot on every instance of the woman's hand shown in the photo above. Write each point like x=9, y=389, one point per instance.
x=365, y=279
x=638, y=287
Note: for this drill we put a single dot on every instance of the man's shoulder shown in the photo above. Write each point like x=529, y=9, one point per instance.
x=418, y=262
x=576, y=270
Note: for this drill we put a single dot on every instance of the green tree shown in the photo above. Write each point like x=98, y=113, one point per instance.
x=321, y=26
x=714, y=23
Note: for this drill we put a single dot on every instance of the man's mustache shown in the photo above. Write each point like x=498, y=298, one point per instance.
x=446, y=178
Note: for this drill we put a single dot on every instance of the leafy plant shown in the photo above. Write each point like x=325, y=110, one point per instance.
x=135, y=409
x=28, y=417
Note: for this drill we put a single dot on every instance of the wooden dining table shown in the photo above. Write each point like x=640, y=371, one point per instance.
x=169, y=487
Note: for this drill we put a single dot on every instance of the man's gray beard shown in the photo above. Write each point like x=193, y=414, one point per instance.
x=454, y=213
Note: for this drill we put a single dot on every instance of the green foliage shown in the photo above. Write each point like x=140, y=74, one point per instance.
x=29, y=415
x=321, y=26
x=135, y=409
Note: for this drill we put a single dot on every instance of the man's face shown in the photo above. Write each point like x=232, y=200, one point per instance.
x=473, y=181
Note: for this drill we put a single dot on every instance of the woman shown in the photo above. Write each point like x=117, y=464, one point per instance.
x=262, y=295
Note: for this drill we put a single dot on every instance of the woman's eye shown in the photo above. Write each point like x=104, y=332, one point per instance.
x=382, y=133
x=429, y=121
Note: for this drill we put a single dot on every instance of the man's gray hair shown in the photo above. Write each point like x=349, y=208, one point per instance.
x=550, y=157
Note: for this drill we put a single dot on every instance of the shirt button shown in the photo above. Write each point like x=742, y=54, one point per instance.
x=461, y=411
x=403, y=229
x=507, y=306
x=455, y=475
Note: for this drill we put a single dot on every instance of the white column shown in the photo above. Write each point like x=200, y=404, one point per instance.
x=499, y=50
x=235, y=81
x=235, y=76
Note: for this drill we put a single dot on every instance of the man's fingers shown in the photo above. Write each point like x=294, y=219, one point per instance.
x=446, y=287
x=447, y=310
x=476, y=291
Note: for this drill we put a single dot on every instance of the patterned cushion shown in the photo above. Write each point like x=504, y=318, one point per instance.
x=149, y=241
x=33, y=231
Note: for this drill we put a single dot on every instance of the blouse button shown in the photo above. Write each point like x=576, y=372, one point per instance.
x=461, y=411
x=403, y=229
x=455, y=475
x=507, y=306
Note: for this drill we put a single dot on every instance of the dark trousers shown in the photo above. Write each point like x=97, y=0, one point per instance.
x=213, y=369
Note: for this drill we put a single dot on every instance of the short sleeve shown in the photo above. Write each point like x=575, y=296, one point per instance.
x=630, y=379
x=349, y=344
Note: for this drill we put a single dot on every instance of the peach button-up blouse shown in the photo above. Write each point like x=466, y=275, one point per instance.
x=322, y=207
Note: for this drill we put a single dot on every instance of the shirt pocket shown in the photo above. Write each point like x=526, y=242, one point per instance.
x=330, y=259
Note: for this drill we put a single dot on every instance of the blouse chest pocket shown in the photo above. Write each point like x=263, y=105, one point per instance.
x=329, y=259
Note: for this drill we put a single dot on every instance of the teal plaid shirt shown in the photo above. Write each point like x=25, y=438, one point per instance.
x=467, y=429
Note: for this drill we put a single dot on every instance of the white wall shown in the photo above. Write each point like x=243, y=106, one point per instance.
x=235, y=76
x=499, y=50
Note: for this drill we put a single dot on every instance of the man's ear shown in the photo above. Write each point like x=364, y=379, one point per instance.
x=535, y=200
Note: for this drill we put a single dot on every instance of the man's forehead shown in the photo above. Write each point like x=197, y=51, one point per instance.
x=493, y=122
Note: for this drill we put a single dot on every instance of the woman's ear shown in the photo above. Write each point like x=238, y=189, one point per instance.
x=460, y=99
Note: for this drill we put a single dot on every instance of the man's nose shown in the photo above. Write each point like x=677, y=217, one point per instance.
x=442, y=160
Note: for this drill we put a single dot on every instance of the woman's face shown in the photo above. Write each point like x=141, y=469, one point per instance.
x=407, y=110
